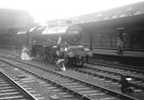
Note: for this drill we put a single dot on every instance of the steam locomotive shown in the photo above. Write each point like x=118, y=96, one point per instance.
x=51, y=47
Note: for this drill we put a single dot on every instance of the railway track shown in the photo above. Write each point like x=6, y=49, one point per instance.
x=55, y=91
x=112, y=77
x=84, y=90
x=10, y=90
x=115, y=73
x=119, y=69
x=118, y=66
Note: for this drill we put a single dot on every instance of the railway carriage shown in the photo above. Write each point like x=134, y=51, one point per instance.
x=104, y=34
x=102, y=37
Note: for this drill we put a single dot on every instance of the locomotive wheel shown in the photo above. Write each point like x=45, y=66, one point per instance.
x=69, y=62
x=79, y=62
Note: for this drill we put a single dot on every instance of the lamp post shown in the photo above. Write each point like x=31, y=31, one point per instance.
x=28, y=39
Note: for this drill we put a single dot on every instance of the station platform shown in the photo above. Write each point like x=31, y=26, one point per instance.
x=113, y=52
x=126, y=53
x=10, y=53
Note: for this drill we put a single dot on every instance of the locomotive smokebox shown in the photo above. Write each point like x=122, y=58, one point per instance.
x=120, y=29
